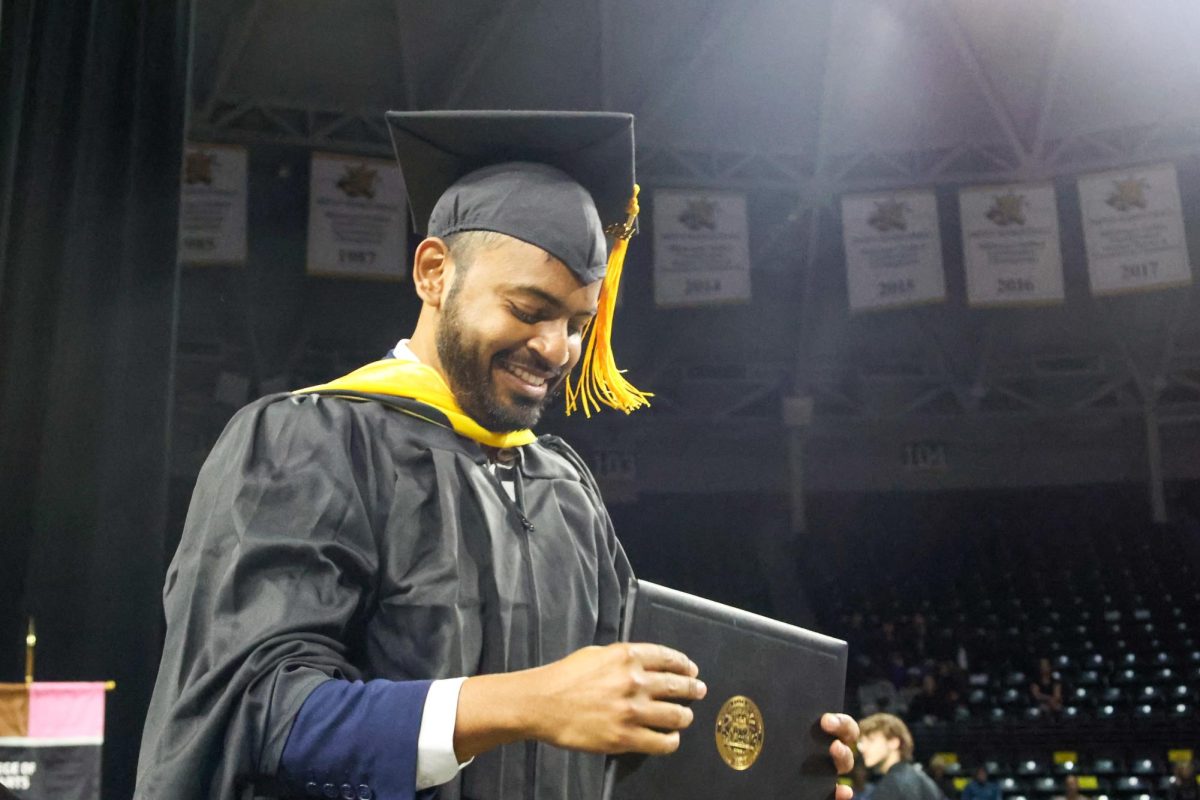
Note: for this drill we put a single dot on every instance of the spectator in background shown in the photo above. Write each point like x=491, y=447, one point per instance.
x=929, y=705
x=1047, y=690
x=937, y=773
x=877, y=693
x=951, y=683
x=883, y=642
x=918, y=639
x=1183, y=784
x=886, y=746
x=896, y=669
x=1070, y=790
x=860, y=651
x=980, y=788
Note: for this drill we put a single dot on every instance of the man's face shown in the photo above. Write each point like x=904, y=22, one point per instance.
x=510, y=331
x=875, y=747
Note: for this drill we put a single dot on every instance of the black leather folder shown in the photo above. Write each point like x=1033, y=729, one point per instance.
x=757, y=732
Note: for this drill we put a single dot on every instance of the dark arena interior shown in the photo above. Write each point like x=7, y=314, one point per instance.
x=911, y=289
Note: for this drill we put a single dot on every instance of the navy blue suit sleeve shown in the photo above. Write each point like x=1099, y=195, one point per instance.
x=355, y=739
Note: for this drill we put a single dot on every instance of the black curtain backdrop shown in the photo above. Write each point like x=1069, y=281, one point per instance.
x=91, y=132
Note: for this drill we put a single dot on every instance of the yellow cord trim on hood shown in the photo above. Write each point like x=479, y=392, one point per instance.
x=422, y=383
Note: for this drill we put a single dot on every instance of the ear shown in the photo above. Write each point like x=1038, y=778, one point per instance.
x=433, y=271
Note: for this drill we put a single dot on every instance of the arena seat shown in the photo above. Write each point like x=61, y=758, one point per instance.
x=1046, y=785
x=1010, y=785
x=1033, y=765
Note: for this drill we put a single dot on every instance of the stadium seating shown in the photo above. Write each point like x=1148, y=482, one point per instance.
x=1105, y=598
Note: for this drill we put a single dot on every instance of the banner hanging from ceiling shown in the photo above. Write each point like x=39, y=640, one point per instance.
x=893, y=250
x=212, y=205
x=1133, y=229
x=701, y=248
x=357, y=218
x=1010, y=244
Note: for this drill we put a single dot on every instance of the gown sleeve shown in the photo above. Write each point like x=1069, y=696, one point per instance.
x=265, y=601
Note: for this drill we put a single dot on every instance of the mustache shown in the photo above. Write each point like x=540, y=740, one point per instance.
x=534, y=363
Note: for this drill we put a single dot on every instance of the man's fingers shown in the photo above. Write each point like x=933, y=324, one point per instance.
x=843, y=757
x=665, y=716
x=653, y=742
x=660, y=658
x=843, y=792
x=671, y=686
x=841, y=726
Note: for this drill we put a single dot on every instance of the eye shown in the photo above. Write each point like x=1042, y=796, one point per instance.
x=524, y=316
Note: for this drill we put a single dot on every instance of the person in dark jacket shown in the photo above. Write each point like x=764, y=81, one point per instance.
x=886, y=746
x=980, y=788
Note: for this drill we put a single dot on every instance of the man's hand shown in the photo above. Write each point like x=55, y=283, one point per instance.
x=616, y=699
x=845, y=730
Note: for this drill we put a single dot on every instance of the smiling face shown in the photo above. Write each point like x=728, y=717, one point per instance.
x=510, y=330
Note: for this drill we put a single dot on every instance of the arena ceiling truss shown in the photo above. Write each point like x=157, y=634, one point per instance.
x=881, y=95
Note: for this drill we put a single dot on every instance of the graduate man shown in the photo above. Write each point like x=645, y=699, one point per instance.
x=388, y=583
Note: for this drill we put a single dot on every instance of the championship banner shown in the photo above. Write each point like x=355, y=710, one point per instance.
x=357, y=218
x=212, y=205
x=701, y=248
x=1133, y=229
x=51, y=735
x=893, y=250
x=1010, y=244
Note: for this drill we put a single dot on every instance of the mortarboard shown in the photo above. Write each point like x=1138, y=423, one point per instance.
x=560, y=180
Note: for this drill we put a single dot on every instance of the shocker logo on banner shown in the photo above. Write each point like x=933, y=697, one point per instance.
x=359, y=181
x=1128, y=194
x=699, y=213
x=1009, y=209
x=889, y=215
x=198, y=168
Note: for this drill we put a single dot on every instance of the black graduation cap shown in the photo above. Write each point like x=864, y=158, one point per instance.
x=560, y=180
x=556, y=179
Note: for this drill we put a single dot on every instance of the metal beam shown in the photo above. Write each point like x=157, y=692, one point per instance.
x=821, y=150
x=1020, y=397
x=408, y=78
x=746, y=169
x=492, y=33
x=721, y=18
x=237, y=35
x=966, y=51
x=1050, y=84
x=604, y=33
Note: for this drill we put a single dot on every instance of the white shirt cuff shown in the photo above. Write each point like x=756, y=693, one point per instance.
x=436, y=761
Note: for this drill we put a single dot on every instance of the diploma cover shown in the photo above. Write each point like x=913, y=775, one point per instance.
x=756, y=734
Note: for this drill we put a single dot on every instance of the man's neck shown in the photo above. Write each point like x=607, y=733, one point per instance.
x=422, y=347
x=889, y=762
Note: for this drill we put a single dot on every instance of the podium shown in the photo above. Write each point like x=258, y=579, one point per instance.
x=51, y=735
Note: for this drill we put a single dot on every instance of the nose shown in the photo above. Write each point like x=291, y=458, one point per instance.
x=552, y=343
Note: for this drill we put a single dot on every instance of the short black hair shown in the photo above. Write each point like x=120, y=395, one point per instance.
x=465, y=245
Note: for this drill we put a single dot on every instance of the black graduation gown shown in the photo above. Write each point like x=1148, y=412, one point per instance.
x=352, y=539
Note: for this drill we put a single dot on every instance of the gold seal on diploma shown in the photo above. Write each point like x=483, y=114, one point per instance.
x=739, y=732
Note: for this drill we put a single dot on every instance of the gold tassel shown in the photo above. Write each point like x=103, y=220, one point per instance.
x=600, y=382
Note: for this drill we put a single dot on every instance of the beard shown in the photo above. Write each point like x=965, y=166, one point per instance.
x=469, y=371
